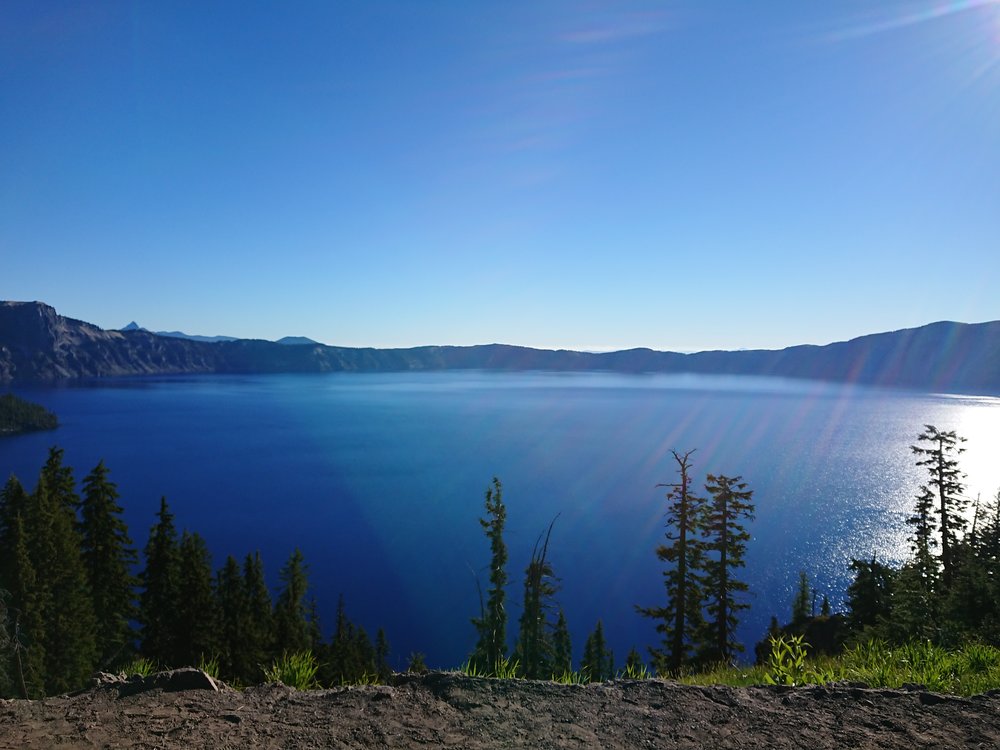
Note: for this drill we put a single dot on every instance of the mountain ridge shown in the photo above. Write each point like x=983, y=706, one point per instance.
x=39, y=345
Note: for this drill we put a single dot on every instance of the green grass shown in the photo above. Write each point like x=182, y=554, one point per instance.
x=969, y=670
x=297, y=670
x=209, y=666
x=142, y=667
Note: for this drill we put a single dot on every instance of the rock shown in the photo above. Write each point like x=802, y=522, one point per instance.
x=172, y=681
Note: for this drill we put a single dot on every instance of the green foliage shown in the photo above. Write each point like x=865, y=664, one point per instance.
x=562, y=646
x=6, y=647
x=680, y=620
x=936, y=450
x=506, y=668
x=635, y=669
x=233, y=607
x=196, y=621
x=416, y=663
x=108, y=556
x=291, y=616
x=491, y=625
x=260, y=628
x=141, y=666
x=161, y=590
x=786, y=664
x=350, y=658
x=382, y=667
x=18, y=415
x=210, y=666
x=297, y=670
x=64, y=625
x=598, y=663
x=801, y=604
x=869, y=596
x=569, y=677
x=534, y=648
x=725, y=546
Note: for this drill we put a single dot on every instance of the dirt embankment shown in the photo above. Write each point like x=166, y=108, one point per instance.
x=451, y=710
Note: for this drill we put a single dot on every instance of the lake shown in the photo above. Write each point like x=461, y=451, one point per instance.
x=379, y=479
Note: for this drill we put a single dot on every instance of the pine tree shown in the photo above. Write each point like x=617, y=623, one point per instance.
x=160, y=591
x=491, y=625
x=291, y=616
x=108, y=556
x=680, y=620
x=869, y=595
x=598, y=662
x=562, y=647
x=67, y=610
x=350, y=655
x=382, y=655
x=260, y=636
x=801, y=604
x=233, y=607
x=534, y=646
x=27, y=614
x=13, y=503
x=725, y=541
x=59, y=481
x=196, y=615
x=946, y=485
x=923, y=541
x=914, y=611
x=6, y=650
x=633, y=662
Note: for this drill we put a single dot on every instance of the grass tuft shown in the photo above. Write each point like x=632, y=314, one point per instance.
x=297, y=670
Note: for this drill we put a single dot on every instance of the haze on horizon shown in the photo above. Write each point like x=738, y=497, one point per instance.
x=676, y=175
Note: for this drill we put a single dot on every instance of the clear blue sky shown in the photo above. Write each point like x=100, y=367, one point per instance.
x=678, y=175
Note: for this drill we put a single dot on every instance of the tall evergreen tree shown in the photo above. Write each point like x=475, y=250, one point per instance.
x=260, y=637
x=350, y=656
x=869, y=596
x=6, y=650
x=59, y=480
x=923, y=541
x=67, y=609
x=382, y=655
x=534, y=646
x=562, y=647
x=233, y=607
x=914, y=612
x=680, y=620
x=802, y=603
x=27, y=614
x=291, y=614
x=13, y=503
x=937, y=451
x=108, y=556
x=491, y=625
x=196, y=615
x=160, y=590
x=726, y=542
x=598, y=663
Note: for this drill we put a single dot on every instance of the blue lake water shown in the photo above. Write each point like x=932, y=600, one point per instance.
x=379, y=479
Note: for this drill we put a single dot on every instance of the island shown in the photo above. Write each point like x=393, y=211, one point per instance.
x=18, y=415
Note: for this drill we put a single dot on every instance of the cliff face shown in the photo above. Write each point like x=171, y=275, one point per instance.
x=37, y=344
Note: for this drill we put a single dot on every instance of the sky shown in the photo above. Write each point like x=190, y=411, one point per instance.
x=678, y=175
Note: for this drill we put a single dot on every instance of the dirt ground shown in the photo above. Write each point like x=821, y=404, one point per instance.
x=452, y=710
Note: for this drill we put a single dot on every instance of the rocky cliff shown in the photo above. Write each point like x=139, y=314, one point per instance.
x=37, y=344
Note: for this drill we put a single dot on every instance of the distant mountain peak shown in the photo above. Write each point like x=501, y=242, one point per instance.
x=133, y=326
x=296, y=341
